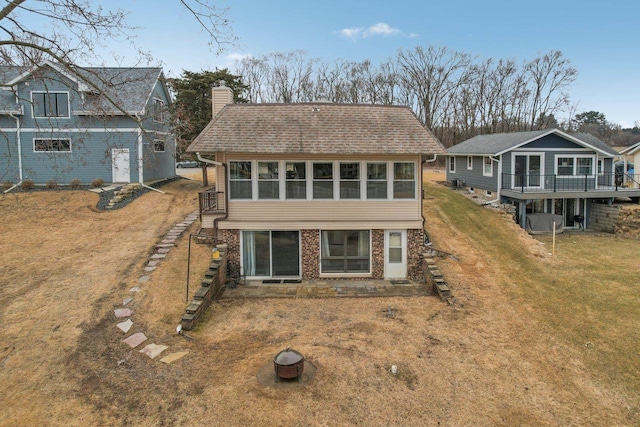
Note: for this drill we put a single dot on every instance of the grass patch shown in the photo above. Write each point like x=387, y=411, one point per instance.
x=585, y=296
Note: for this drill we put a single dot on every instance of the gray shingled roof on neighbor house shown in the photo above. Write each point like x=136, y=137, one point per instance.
x=129, y=87
x=497, y=143
x=316, y=128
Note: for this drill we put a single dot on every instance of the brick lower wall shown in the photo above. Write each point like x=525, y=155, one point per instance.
x=310, y=246
x=415, y=260
x=310, y=254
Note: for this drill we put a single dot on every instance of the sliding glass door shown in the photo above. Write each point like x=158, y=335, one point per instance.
x=271, y=253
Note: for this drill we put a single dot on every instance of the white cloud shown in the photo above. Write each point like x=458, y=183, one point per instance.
x=236, y=57
x=379, y=29
x=350, y=33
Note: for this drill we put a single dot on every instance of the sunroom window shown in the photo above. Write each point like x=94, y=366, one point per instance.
x=240, y=186
x=323, y=180
x=350, y=180
x=377, y=180
x=404, y=181
x=296, y=180
x=268, y=182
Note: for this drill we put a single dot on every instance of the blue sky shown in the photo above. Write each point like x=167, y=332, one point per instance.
x=600, y=39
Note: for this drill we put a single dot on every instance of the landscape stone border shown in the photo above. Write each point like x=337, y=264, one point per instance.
x=123, y=314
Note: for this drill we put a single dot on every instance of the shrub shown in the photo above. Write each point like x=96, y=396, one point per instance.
x=52, y=184
x=75, y=183
x=98, y=182
x=27, y=184
x=7, y=185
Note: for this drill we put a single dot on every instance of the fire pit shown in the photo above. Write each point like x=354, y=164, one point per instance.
x=288, y=364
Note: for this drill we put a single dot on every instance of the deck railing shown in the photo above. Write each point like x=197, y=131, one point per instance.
x=527, y=183
x=211, y=201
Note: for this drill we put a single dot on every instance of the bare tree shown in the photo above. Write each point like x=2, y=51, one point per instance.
x=550, y=76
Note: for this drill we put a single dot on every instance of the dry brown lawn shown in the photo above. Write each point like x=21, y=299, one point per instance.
x=493, y=358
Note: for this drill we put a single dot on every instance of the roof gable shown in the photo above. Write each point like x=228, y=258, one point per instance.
x=130, y=88
x=316, y=128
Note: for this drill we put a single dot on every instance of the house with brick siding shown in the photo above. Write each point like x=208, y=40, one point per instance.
x=316, y=190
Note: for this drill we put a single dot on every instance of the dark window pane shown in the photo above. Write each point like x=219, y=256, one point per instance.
x=296, y=189
x=268, y=190
x=404, y=190
x=350, y=171
x=323, y=171
x=350, y=190
x=240, y=190
x=377, y=190
x=296, y=170
x=377, y=171
x=240, y=170
x=323, y=190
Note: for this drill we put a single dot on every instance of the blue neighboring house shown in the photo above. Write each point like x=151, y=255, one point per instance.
x=539, y=172
x=63, y=124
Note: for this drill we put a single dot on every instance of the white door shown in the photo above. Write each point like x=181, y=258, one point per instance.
x=395, y=254
x=120, y=164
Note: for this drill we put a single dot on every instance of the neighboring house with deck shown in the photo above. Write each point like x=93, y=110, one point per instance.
x=316, y=190
x=86, y=123
x=539, y=172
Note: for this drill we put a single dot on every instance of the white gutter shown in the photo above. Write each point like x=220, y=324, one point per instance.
x=211, y=162
x=141, y=163
x=19, y=152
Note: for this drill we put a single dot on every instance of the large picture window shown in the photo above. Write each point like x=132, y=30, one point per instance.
x=268, y=183
x=323, y=180
x=240, y=186
x=404, y=181
x=345, y=251
x=50, y=104
x=377, y=180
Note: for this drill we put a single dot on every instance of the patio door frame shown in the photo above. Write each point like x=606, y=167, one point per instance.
x=395, y=269
x=271, y=257
x=528, y=155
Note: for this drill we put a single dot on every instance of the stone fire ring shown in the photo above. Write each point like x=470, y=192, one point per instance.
x=267, y=377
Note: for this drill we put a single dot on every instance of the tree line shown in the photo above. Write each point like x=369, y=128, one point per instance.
x=454, y=94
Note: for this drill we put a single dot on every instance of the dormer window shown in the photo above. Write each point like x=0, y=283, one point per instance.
x=158, y=110
x=50, y=104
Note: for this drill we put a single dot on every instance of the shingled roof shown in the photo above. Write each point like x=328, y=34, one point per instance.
x=316, y=128
x=130, y=88
x=499, y=143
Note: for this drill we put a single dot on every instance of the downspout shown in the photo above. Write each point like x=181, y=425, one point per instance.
x=493, y=159
x=141, y=163
x=226, y=192
x=19, y=152
x=424, y=220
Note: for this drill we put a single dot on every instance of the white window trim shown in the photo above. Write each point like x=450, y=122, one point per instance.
x=282, y=181
x=155, y=101
x=452, y=164
x=52, y=139
x=484, y=166
x=575, y=158
x=33, y=110
x=163, y=145
x=361, y=274
x=469, y=162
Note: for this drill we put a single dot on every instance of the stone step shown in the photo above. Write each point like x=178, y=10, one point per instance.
x=193, y=307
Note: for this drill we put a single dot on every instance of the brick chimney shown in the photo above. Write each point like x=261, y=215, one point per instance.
x=220, y=96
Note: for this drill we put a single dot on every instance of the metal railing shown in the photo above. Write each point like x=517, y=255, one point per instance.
x=527, y=183
x=211, y=201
